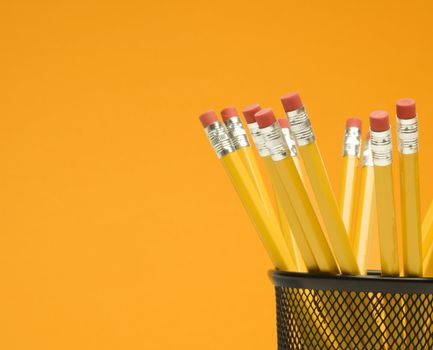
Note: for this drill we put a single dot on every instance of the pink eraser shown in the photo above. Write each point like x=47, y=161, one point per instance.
x=291, y=102
x=229, y=112
x=265, y=118
x=208, y=118
x=406, y=108
x=353, y=123
x=379, y=121
x=284, y=123
x=249, y=113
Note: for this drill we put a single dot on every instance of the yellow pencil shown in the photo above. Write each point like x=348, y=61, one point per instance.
x=349, y=179
x=381, y=146
x=239, y=137
x=373, y=248
x=360, y=233
x=407, y=134
x=428, y=263
x=427, y=230
x=295, y=190
x=309, y=152
x=284, y=124
x=291, y=144
x=288, y=235
x=295, y=225
x=363, y=227
x=240, y=140
x=266, y=225
x=282, y=197
x=315, y=313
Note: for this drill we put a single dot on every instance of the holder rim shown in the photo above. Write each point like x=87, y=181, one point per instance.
x=373, y=282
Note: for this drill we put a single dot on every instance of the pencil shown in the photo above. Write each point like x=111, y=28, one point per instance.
x=428, y=263
x=381, y=146
x=362, y=232
x=407, y=134
x=240, y=140
x=349, y=179
x=266, y=225
x=427, y=230
x=284, y=124
x=309, y=152
x=318, y=320
x=280, y=193
x=294, y=187
x=288, y=235
x=291, y=143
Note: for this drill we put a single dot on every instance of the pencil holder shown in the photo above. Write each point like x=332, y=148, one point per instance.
x=362, y=312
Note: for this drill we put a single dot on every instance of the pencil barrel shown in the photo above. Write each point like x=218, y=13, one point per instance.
x=391, y=313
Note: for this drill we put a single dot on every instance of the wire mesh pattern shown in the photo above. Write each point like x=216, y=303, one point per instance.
x=314, y=318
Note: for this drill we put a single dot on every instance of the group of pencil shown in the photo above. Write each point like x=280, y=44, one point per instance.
x=299, y=220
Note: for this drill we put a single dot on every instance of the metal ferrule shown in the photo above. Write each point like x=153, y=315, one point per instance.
x=275, y=142
x=300, y=126
x=407, y=135
x=367, y=156
x=237, y=132
x=381, y=147
x=219, y=139
x=259, y=140
x=291, y=144
x=352, y=142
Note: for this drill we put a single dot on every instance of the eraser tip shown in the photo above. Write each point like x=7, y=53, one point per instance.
x=353, y=123
x=249, y=113
x=284, y=123
x=291, y=101
x=379, y=121
x=208, y=118
x=229, y=112
x=265, y=118
x=406, y=108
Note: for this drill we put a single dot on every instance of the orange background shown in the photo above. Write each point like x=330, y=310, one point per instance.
x=119, y=228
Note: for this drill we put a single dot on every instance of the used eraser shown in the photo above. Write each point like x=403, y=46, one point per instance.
x=208, y=118
x=406, y=108
x=249, y=113
x=229, y=112
x=291, y=102
x=353, y=123
x=265, y=118
x=284, y=123
x=379, y=121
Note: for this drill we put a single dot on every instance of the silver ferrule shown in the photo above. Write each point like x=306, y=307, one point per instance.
x=290, y=142
x=275, y=142
x=300, y=125
x=259, y=140
x=367, y=156
x=381, y=147
x=352, y=142
x=407, y=135
x=219, y=139
x=237, y=132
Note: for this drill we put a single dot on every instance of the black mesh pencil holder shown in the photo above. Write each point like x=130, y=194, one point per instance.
x=343, y=312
